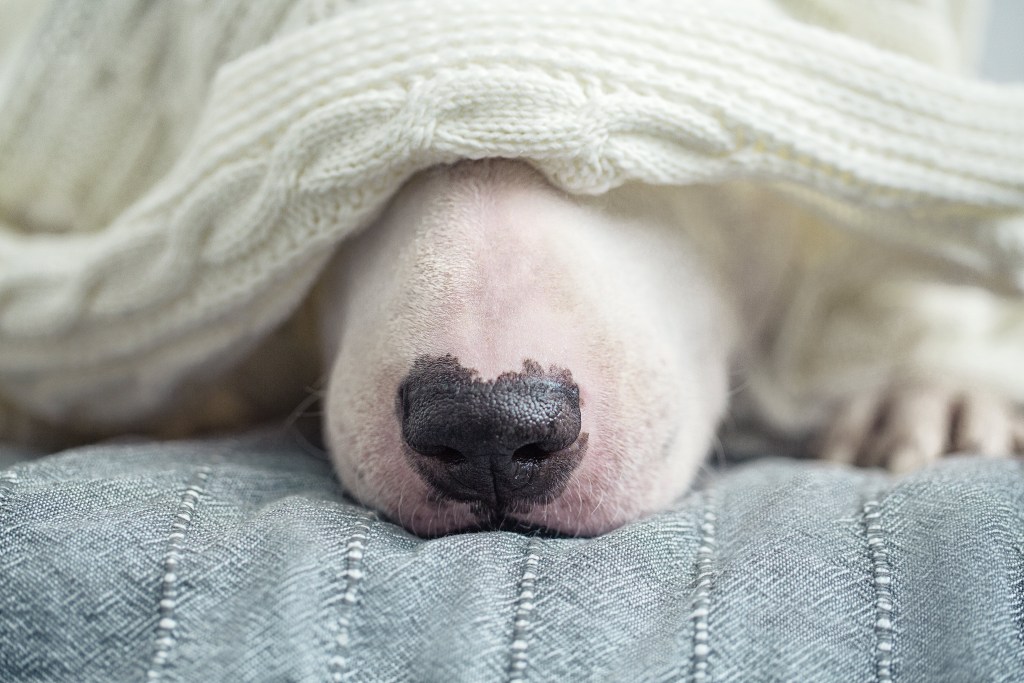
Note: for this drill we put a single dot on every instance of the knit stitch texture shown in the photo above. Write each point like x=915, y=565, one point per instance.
x=173, y=176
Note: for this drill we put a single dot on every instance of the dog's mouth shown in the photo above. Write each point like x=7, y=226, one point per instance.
x=507, y=523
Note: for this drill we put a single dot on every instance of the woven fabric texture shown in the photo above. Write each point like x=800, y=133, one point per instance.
x=241, y=560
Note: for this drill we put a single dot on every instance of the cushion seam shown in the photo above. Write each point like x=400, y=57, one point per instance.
x=522, y=624
x=702, y=593
x=353, y=574
x=881, y=578
x=166, y=631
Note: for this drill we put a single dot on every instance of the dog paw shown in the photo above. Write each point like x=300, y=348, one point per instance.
x=912, y=424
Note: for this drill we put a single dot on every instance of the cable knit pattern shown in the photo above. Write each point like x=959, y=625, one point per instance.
x=159, y=228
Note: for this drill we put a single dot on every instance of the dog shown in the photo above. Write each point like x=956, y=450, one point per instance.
x=503, y=355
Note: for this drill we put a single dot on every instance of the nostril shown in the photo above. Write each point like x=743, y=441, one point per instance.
x=531, y=452
x=445, y=454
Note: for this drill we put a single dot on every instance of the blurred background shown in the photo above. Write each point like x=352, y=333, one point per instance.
x=1003, y=56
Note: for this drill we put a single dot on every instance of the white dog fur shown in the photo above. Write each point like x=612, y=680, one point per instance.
x=652, y=298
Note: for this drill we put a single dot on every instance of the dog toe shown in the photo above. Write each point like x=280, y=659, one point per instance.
x=982, y=424
x=850, y=429
x=912, y=430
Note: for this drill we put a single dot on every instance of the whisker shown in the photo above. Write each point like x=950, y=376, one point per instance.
x=291, y=423
x=314, y=395
x=718, y=450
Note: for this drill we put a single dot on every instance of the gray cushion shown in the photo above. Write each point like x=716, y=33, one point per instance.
x=240, y=559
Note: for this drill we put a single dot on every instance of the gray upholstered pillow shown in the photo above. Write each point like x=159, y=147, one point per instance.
x=241, y=560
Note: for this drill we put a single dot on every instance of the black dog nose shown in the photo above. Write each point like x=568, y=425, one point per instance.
x=501, y=443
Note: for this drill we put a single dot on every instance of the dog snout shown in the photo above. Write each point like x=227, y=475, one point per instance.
x=503, y=444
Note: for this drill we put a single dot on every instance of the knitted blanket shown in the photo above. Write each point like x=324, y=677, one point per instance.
x=173, y=176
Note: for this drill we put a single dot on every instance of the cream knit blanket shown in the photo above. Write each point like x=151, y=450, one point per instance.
x=174, y=175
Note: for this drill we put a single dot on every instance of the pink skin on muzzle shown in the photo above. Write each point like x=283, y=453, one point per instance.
x=487, y=263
